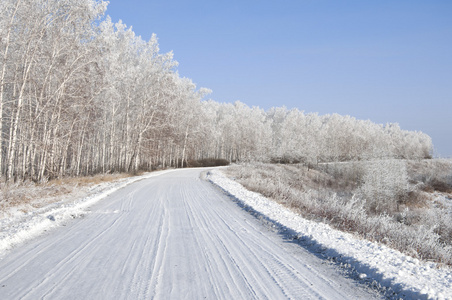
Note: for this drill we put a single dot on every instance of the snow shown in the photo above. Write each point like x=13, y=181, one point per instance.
x=173, y=236
x=18, y=226
x=407, y=276
x=228, y=255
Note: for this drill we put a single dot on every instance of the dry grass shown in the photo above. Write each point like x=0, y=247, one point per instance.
x=29, y=195
x=89, y=180
x=432, y=175
x=416, y=226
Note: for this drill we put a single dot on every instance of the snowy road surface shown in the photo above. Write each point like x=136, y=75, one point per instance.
x=174, y=236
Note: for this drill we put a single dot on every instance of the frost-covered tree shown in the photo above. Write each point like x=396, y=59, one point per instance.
x=385, y=185
x=81, y=95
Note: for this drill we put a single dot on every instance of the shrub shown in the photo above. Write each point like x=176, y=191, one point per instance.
x=207, y=162
x=419, y=229
x=432, y=175
x=385, y=185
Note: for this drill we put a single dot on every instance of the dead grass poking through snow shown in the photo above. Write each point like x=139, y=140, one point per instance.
x=88, y=180
x=26, y=196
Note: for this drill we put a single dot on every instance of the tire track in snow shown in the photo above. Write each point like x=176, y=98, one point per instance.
x=269, y=263
x=224, y=258
x=196, y=224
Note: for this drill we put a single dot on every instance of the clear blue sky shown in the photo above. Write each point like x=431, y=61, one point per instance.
x=387, y=61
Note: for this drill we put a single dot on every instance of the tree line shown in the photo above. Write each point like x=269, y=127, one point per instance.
x=81, y=95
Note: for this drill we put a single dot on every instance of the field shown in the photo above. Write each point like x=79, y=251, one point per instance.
x=404, y=204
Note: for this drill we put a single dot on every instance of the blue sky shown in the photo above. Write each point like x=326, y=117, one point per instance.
x=387, y=61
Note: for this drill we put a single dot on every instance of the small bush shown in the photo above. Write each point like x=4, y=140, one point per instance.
x=433, y=175
x=345, y=177
x=285, y=160
x=441, y=185
x=415, y=199
x=208, y=162
x=385, y=185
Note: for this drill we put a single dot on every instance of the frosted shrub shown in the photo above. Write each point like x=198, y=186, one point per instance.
x=385, y=185
x=422, y=232
x=433, y=175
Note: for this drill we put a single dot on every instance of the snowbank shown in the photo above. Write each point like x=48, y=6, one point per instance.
x=406, y=276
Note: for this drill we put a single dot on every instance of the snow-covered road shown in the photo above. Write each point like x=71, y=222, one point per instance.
x=173, y=236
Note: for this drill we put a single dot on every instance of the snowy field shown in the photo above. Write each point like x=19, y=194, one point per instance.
x=406, y=276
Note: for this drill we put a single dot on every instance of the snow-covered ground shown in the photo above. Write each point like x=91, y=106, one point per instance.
x=18, y=225
x=173, y=236
x=408, y=277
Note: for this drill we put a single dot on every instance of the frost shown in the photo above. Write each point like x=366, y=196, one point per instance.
x=409, y=277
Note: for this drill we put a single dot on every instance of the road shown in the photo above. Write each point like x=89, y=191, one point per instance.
x=174, y=236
